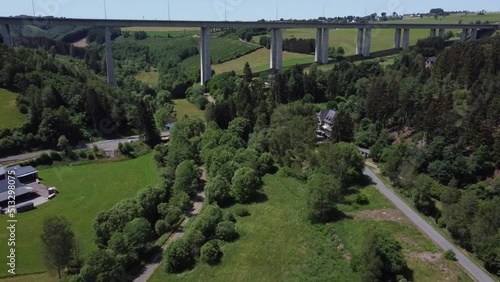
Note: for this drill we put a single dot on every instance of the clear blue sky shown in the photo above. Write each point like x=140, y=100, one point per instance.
x=236, y=9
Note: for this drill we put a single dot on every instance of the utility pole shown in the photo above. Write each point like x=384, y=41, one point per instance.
x=277, y=12
x=105, y=12
x=225, y=10
x=33, y=4
x=168, y=3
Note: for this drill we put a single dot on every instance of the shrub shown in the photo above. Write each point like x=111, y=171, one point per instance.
x=241, y=212
x=91, y=157
x=72, y=156
x=229, y=217
x=82, y=154
x=55, y=156
x=362, y=199
x=210, y=252
x=207, y=221
x=226, y=231
x=161, y=227
x=178, y=257
x=126, y=149
x=450, y=255
x=285, y=172
x=44, y=159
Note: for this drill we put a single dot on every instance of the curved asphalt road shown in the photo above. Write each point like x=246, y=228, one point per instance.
x=104, y=145
x=475, y=271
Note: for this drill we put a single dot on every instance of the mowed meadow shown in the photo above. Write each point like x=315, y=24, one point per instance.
x=84, y=191
x=278, y=243
x=9, y=113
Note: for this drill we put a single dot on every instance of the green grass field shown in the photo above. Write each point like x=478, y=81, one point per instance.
x=259, y=61
x=9, y=113
x=278, y=243
x=183, y=107
x=222, y=49
x=85, y=191
x=151, y=78
x=454, y=19
x=165, y=31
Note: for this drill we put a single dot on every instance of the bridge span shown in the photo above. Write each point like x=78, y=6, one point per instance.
x=363, y=43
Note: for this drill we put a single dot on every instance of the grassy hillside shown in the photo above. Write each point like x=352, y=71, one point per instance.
x=222, y=49
x=182, y=107
x=85, y=191
x=9, y=113
x=278, y=243
x=259, y=61
x=454, y=19
x=151, y=77
x=165, y=31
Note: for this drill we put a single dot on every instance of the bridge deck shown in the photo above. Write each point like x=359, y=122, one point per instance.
x=228, y=24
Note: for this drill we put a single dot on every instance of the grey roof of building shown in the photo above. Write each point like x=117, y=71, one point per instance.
x=330, y=116
x=22, y=171
x=322, y=114
x=4, y=184
x=327, y=115
x=4, y=196
x=366, y=151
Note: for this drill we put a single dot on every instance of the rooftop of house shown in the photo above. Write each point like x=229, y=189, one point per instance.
x=365, y=151
x=4, y=184
x=327, y=116
x=23, y=190
x=21, y=171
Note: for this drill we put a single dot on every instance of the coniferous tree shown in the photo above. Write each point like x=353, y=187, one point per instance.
x=147, y=124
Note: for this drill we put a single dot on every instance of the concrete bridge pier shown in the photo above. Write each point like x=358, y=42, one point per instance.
x=319, y=45
x=279, y=50
x=326, y=39
x=276, y=48
x=397, y=39
x=463, y=37
x=359, y=43
x=5, y=30
x=206, y=62
x=368, y=42
x=109, y=58
x=433, y=33
x=442, y=33
x=473, y=34
x=406, y=39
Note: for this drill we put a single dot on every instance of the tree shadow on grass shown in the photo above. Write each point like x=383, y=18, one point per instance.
x=363, y=181
x=259, y=198
x=332, y=216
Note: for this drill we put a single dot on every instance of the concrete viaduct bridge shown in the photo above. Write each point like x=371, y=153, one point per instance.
x=402, y=31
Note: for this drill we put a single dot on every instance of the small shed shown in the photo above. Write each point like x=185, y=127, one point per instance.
x=365, y=152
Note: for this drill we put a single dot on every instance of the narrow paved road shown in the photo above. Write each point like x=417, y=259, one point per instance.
x=150, y=268
x=104, y=145
x=475, y=271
